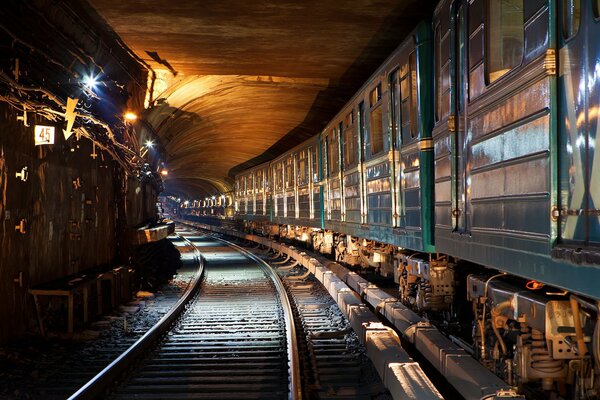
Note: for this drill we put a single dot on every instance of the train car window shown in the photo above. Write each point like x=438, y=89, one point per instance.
x=438, y=71
x=332, y=150
x=259, y=182
x=289, y=173
x=596, y=6
x=414, y=109
x=505, y=34
x=361, y=127
x=250, y=188
x=375, y=95
x=376, y=121
x=404, y=105
x=302, y=168
x=571, y=16
x=278, y=172
x=349, y=120
x=315, y=164
x=350, y=140
x=394, y=106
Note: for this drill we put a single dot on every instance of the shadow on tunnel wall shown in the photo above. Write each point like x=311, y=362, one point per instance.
x=401, y=21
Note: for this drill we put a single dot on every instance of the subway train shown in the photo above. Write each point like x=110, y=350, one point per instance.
x=464, y=169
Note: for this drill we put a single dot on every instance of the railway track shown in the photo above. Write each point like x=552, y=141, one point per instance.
x=335, y=362
x=232, y=337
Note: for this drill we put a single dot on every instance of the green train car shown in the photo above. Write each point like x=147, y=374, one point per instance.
x=465, y=169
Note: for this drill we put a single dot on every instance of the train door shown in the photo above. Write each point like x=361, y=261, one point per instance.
x=579, y=109
x=460, y=210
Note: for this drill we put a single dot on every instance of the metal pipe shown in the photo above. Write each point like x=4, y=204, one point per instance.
x=585, y=303
x=581, y=347
x=495, y=312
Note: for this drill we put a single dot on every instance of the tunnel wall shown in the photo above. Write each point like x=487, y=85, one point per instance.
x=77, y=203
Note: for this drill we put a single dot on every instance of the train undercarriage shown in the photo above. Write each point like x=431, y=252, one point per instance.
x=541, y=340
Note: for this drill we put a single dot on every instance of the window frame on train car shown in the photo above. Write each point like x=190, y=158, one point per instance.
x=258, y=174
x=331, y=140
x=376, y=105
x=302, y=180
x=596, y=9
x=362, y=128
x=314, y=162
x=250, y=184
x=488, y=43
x=409, y=101
x=572, y=33
x=394, y=107
x=277, y=174
x=437, y=71
x=350, y=140
x=289, y=163
x=413, y=71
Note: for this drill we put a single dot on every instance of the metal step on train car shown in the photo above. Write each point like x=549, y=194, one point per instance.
x=465, y=167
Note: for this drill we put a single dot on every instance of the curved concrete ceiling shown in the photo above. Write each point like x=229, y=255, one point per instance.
x=244, y=81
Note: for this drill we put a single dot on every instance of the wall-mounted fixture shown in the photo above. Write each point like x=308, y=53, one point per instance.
x=76, y=183
x=21, y=227
x=23, y=118
x=23, y=175
x=19, y=279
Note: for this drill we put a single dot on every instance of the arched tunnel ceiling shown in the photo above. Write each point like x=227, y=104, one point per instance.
x=247, y=80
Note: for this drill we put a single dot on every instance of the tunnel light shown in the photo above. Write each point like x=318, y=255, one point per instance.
x=186, y=203
x=164, y=172
x=214, y=198
x=130, y=116
x=149, y=143
x=90, y=82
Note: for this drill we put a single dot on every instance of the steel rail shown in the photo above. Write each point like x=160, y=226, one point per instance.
x=295, y=386
x=98, y=385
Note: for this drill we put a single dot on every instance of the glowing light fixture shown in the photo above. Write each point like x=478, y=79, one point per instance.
x=164, y=172
x=149, y=143
x=90, y=81
x=130, y=116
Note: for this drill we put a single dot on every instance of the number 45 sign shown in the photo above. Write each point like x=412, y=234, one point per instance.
x=44, y=135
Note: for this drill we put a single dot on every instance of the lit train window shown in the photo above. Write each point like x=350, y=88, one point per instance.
x=394, y=112
x=438, y=71
x=375, y=95
x=250, y=184
x=376, y=121
x=571, y=16
x=349, y=120
x=315, y=164
x=414, y=127
x=278, y=177
x=333, y=153
x=596, y=6
x=289, y=173
x=302, y=168
x=504, y=37
x=350, y=140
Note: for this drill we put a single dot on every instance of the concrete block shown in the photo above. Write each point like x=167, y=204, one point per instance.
x=408, y=381
x=347, y=298
x=383, y=347
x=358, y=316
